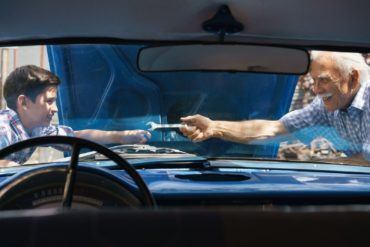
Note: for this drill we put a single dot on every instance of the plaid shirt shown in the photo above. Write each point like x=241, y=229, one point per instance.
x=12, y=131
x=352, y=126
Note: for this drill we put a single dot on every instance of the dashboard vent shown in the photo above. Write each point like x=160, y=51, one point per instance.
x=213, y=177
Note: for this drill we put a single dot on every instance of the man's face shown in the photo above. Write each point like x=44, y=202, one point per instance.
x=331, y=85
x=41, y=112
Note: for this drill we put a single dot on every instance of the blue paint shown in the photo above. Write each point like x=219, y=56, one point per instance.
x=102, y=88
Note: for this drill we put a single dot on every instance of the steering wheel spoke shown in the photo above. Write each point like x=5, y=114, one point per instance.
x=71, y=177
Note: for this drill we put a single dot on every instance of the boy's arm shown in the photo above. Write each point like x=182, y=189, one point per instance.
x=108, y=137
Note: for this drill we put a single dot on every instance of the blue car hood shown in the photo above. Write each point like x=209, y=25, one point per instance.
x=103, y=89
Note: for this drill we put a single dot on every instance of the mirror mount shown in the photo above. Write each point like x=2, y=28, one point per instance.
x=223, y=23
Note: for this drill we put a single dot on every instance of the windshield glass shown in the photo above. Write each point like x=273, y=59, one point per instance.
x=101, y=88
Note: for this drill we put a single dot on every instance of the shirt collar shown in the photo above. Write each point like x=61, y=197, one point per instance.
x=17, y=124
x=362, y=96
x=12, y=114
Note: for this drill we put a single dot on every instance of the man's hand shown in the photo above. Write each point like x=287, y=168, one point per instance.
x=133, y=136
x=198, y=128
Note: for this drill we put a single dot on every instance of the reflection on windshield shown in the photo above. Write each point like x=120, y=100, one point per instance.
x=102, y=89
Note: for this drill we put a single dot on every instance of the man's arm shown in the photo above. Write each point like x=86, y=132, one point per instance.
x=200, y=128
x=108, y=137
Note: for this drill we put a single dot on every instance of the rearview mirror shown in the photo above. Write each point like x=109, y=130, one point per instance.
x=224, y=57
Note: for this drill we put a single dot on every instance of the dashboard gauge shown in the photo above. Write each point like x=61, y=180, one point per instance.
x=44, y=189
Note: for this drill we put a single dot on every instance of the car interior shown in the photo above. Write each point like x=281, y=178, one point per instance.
x=164, y=60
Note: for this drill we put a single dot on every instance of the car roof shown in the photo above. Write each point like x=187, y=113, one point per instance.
x=339, y=23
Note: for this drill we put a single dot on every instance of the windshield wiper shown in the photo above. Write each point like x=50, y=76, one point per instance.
x=144, y=149
x=138, y=151
x=146, y=156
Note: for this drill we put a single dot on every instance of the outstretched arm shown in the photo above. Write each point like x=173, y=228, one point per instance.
x=201, y=128
x=108, y=137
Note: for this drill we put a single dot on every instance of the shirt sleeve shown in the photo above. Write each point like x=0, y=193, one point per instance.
x=63, y=130
x=313, y=114
x=366, y=144
x=4, y=136
x=53, y=130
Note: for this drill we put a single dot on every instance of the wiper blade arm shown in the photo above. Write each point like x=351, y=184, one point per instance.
x=144, y=149
x=139, y=151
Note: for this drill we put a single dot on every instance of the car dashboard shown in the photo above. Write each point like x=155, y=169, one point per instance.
x=222, y=182
x=220, y=203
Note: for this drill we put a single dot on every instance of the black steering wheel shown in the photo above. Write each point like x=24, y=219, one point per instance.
x=77, y=144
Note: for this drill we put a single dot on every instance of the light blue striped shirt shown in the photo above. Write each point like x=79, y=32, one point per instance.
x=352, y=125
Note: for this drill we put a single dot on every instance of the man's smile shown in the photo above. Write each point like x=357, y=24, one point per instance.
x=325, y=96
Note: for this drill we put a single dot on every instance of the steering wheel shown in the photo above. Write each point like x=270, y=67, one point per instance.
x=77, y=144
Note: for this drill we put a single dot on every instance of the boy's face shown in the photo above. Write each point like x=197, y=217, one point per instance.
x=41, y=112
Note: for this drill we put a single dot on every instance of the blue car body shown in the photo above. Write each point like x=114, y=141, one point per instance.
x=109, y=81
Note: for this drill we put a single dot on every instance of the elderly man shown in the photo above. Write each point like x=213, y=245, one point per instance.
x=341, y=83
x=31, y=93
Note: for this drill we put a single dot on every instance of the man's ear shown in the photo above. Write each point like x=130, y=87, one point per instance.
x=354, y=80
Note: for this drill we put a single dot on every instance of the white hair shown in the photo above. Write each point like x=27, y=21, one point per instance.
x=346, y=62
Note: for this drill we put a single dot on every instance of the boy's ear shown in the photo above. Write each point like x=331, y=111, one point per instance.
x=22, y=101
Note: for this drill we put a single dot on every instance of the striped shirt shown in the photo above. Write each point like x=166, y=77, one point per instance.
x=352, y=125
x=12, y=131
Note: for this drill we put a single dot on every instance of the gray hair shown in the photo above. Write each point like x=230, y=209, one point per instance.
x=346, y=62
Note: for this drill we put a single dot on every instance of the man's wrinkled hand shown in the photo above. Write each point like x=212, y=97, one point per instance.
x=197, y=127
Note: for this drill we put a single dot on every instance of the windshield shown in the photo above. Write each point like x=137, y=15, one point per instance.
x=101, y=88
